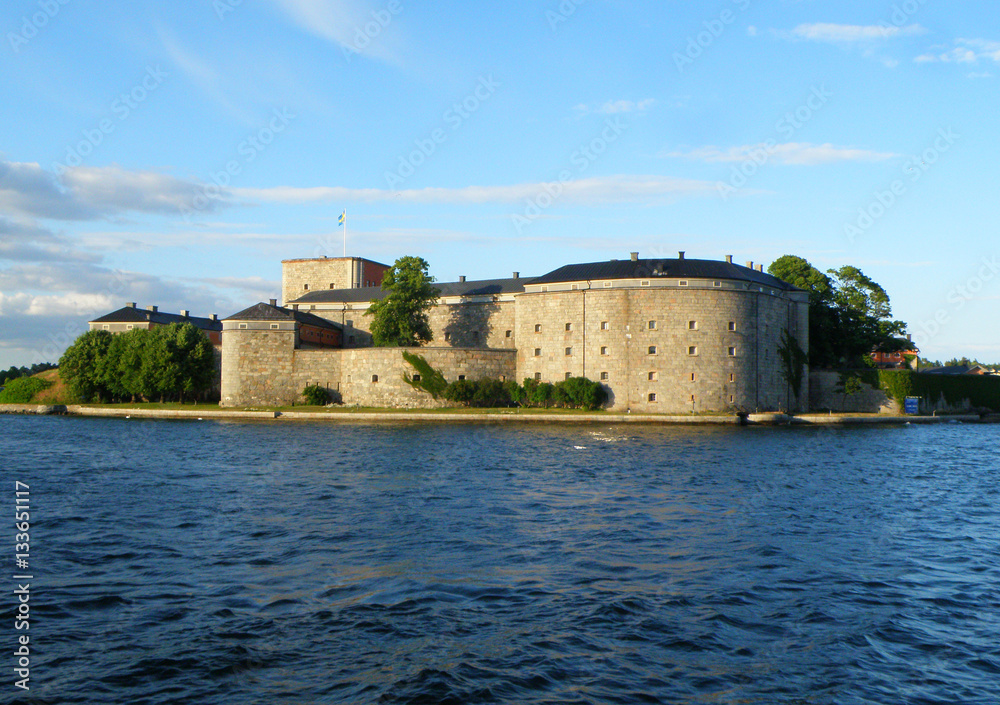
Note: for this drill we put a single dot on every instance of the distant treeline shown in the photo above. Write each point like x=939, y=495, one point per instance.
x=15, y=372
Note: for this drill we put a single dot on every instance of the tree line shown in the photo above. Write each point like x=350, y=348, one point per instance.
x=15, y=372
x=166, y=363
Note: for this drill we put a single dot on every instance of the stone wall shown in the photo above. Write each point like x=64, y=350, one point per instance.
x=823, y=396
x=327, y=273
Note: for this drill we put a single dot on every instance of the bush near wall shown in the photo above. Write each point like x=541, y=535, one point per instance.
x=982, y=392
x=23, y=390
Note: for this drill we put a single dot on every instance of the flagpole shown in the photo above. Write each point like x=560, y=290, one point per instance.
x=345, y=232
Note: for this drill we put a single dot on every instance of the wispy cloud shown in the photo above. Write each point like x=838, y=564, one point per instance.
x=615, y=107
x=851, y=33
x=794, y=153
x=347, y=24
x=964, y=51
x=610, y=189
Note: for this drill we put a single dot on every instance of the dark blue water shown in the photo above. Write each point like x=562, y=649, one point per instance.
x=205, y=562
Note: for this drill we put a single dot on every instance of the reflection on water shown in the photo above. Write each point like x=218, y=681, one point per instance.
x=228, y=562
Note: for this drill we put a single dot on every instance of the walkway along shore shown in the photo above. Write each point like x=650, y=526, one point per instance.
x=763, y=419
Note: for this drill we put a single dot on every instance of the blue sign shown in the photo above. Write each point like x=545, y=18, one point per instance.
x=911, y=405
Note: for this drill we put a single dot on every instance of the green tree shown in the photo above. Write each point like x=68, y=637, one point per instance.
x=400, y=319
x=80, y=367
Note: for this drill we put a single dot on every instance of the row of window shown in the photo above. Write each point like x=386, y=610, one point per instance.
x=651, y=398
x=651, y=350
x=650, y=325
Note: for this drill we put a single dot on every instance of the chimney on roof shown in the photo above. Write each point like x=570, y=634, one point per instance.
x=634, y=256
x=517, y=275
x=750, y=264
x=680, y=255
x=130, y=304
x=214, y=317
x=185, y=312
x=909, y=337
x=273, y=302
x=461, y=278
x=729, y=259
x=760, y=268
x=295, y=307
x=152, y=308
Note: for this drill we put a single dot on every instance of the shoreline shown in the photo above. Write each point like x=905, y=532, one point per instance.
x=761, y=419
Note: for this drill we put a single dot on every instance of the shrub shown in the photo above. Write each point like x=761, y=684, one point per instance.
x=461, y=390
x=316, y=395
x=22, y=390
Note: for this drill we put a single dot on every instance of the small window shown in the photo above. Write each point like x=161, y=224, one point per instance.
x=692, y=325
x=108, y=327
x=503, y=378
x=538, y=327
x=732, y=352
x=604, y=325
x=651, y=325
x=693, y=350
x=568, y=375
x=682, y=283
x=716, y=284
x=651, y=397
x=575, y=287
x=461, y=377
x=569, y=351
x=374, y=379
x=132, y=327
x=653, y=376
x=604, y=349
x=730, y=398
x=274, y=326
x=545, y=288
x=306, y=287
x=652, y=349
x=538, y=375
x=332, y=285
x=694, y=377
x=538, y=352
x=569, y=326
x=644, y=283
x=607, y=285
x=447, y=336
x=243, y=326
x=692, y=398
x=507, y=334
x=604, y=376
x=732, y=378
x=732, y=325
x=415, y=378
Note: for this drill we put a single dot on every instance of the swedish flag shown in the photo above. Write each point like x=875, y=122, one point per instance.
x=342, y=218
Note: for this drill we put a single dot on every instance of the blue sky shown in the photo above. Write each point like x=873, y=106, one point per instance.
x=174, y=154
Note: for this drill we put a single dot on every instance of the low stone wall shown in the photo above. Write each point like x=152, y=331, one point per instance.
x=823, y=395
x=374, y=376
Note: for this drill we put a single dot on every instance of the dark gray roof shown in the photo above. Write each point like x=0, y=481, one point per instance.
x=649, y=268
x=267, y=312
x=949, y=370
x=131, y=314
x=484, y=287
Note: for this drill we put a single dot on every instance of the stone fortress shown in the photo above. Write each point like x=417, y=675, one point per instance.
x=662, y=335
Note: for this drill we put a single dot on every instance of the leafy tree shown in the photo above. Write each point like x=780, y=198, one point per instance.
x=400, y=319
x=798, y=272
x=461, y=390
x=316, y=395
x=22, y=390
x=80, y=367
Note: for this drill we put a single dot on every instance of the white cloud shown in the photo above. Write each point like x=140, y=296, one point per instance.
x=615, y=107
x=795, y=153
x=608, y=189
x=965, y=51
x=849, y=33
